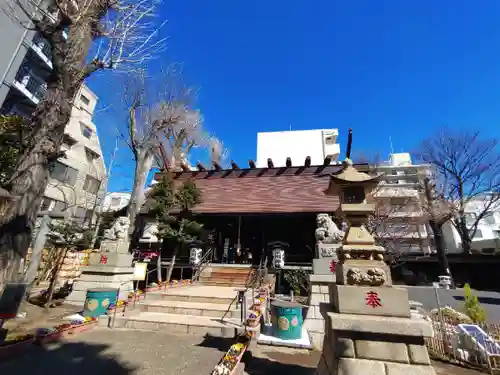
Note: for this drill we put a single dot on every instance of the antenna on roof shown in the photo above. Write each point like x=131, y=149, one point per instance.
x=390, y=143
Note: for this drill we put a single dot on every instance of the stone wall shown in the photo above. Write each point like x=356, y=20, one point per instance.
x=319, y=305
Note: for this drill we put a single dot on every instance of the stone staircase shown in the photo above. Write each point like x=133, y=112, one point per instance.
x=227, y=275
x=196, y=309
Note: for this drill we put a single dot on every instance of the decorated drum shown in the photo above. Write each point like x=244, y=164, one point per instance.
x=98, y=300
x=286, y=320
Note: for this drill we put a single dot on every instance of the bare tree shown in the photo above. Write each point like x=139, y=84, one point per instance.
x=466, y=170
x=397, y=221
x=167, y=121
x=122, y=32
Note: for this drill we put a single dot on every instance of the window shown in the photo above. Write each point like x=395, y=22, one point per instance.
x=470, y=219
x=86, y=130
x=329, y=140
x=91, y=185
x=83, y=214
x=80, y=212
x=84, y=99
x=46, y=203
x=115, y=202
x=62, y=173
x=68, y=142
x=478, y=234
x=59, y=206
x=489, y=218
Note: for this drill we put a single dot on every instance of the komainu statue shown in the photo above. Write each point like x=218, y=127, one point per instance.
x=327, y=231
x=119, y=230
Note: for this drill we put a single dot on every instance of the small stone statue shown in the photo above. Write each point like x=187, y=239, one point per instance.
x=119, y=230
x=327, y=231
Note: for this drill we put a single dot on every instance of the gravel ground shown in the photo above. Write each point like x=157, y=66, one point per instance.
x=122, y=352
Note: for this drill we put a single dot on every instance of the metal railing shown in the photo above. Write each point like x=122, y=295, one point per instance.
x=43, y=45
x=454, y=346
x=205, y=261
x=33, y=85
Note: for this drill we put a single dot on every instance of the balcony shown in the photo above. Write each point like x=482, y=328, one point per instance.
x=43, y=49
x=32, y=87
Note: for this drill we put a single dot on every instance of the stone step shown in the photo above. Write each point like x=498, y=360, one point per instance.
x=197, y=293
x=223, y=283
x=226, y=275
x=235, y=270
x=191, y=298
x=213, y=310
x=228, y=279
x=180, y=324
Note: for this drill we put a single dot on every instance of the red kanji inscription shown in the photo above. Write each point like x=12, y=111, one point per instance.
x=103, y=259
x=333, y=266
x=372, y=299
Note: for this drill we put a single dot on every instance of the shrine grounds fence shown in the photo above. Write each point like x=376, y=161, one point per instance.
x=450, y=344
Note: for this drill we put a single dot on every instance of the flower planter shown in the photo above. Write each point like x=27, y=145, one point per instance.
x=229, y=363
x=256, y=307
x=253, y=323
x=65, y=332
x=15, y=348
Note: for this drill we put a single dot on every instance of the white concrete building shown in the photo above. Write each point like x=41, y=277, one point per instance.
x=115, y=201
x=486, y=240
x=77, y=182
x=403, y=227
x=297, y=145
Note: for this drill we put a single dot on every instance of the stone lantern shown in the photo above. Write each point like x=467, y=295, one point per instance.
x=361, y=261
x=369, y=330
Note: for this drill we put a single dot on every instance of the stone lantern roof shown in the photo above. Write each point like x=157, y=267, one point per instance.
x=349, y=175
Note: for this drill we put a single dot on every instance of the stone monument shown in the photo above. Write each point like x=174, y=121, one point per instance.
x=110, y=268
x=328, y=240
x=369, y=330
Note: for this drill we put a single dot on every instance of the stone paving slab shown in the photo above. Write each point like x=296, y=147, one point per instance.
x=121, y=352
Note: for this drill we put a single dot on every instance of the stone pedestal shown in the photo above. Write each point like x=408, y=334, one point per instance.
x=375, y=345
x=111, y=268
x=319, y=297
x=319, y=306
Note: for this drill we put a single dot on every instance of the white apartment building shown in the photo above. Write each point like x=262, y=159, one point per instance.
x=402, y=225
x=486, y=240
x=297, y=145
x=77, y=182
x=115, y=201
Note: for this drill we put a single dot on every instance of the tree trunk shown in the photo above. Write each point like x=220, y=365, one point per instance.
x=172, y=264
x=30, y=180
x=463, y=231
x=69, y=70
x=437, y=230
x=143, y=165
x=53, y=277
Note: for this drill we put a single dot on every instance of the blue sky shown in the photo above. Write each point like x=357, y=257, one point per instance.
x=398, y=68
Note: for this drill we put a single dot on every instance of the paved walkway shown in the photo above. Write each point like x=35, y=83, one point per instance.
x=121, y=352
